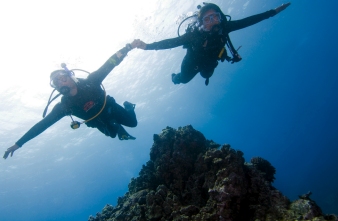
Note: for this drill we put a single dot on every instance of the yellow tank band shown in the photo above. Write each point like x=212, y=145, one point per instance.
x=221, y=53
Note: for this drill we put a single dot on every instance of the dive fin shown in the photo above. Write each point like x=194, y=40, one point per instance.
x=123, y=134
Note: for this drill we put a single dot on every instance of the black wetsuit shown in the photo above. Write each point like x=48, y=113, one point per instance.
x=87, y=103
x=203, y=48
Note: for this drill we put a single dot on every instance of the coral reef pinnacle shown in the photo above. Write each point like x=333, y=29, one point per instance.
x=191, y=178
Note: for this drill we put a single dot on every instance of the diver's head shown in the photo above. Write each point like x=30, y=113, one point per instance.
x=63, y=81
x=210, y=15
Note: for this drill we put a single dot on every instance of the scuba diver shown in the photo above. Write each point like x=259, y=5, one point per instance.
x=205, y=41
x=86, y=99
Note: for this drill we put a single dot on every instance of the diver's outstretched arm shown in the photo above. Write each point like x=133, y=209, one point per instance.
x=11, y=150
x=282, y=7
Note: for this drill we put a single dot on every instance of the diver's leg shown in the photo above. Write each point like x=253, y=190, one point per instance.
x=113, y=128
x=125, y=116
x=189, y=68
x=208, y=70
x=108, y=130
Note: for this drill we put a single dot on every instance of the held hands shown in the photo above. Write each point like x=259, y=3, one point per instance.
x=282, y=7
x=137, y=43
x=10, y=151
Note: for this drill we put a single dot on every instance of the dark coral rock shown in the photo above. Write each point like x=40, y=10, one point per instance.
x=212, y=145
x=305, y=196
x=191, y=178
x=265, y=167
x=306, y=209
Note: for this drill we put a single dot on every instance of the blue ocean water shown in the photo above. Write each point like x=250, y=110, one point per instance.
x=279, y=102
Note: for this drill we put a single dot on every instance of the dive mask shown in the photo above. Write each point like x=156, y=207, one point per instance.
x=212, y=17
x=58, y=76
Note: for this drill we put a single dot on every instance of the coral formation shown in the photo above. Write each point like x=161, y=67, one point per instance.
x=191, y=178
x=265, y=167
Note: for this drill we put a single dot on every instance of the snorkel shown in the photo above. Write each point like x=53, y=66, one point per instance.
x=64, y=89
